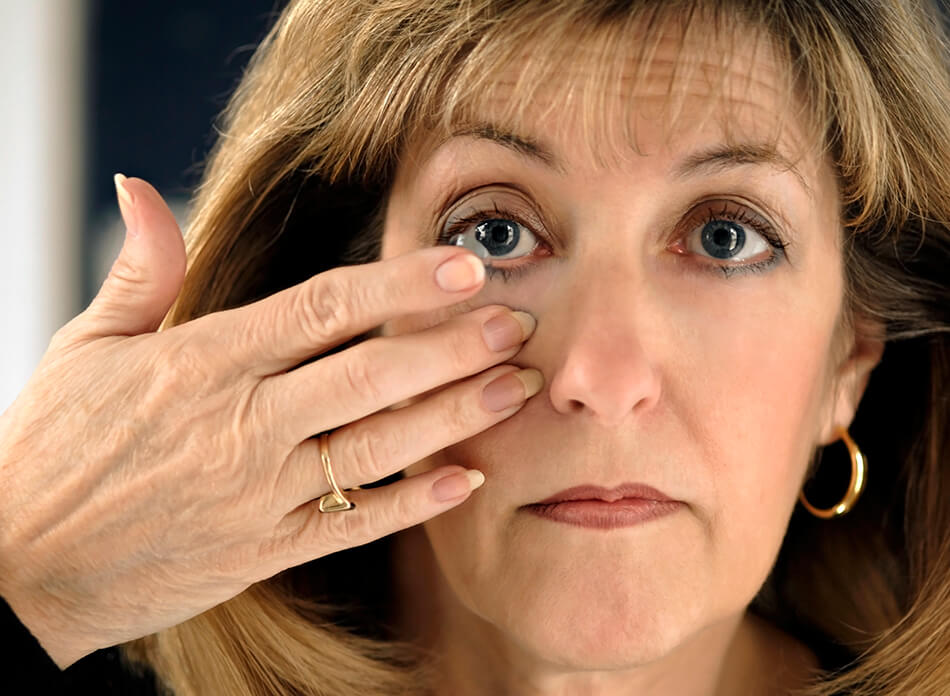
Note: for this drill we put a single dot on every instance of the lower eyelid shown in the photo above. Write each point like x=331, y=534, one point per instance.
x=757, y=267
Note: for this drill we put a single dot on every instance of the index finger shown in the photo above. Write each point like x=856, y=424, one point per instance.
x=281, y=331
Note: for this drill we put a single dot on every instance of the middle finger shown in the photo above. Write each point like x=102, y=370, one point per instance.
x=380, y=372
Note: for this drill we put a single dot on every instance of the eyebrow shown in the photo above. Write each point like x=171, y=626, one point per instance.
x=718, y=158
x=724, y=157
x=527, y=147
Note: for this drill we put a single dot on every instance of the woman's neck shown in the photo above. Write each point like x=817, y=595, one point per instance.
x=740, y=654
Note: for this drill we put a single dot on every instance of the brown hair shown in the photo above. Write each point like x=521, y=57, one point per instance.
x=309, y=147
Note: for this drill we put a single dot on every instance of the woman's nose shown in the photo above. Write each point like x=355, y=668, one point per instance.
x=601, y=365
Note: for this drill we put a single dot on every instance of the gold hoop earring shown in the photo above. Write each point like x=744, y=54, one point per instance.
x=859, y=468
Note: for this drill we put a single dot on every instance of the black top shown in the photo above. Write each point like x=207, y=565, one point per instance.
x=28, y=670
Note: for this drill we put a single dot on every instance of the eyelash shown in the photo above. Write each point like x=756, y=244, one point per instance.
x=767, y=232
x=462, y=224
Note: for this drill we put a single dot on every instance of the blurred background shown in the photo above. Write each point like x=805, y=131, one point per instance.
x=90, y=88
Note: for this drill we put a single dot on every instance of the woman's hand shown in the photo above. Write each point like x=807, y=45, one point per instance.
x=146, y=477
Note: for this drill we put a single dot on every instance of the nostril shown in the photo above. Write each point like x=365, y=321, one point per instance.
x=575, y=406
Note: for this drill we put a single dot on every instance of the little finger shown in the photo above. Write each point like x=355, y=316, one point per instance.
x=306, y=533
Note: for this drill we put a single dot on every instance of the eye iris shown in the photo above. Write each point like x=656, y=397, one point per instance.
x=723, y=239
x=498, y=236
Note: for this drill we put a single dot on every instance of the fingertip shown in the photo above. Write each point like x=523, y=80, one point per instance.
x=137, y=187
x=457, y=485
x=159, y=243
x=460, y=273
x=126, y=201
x=153, y=213
x=121, y=190
x=475, y=477
x=138, y=202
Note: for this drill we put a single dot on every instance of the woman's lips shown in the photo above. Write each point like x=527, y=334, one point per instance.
x=605, y=508
x=590, y=492
x=602, y=515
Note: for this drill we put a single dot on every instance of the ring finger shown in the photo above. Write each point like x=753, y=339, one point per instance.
x=386, y=442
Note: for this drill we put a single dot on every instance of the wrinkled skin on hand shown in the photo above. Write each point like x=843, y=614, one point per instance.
x=147, y=476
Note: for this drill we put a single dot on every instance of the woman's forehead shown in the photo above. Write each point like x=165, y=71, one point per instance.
x=677, y=92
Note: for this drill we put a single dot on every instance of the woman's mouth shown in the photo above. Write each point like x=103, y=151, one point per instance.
x=603, y=515
x=605, y=508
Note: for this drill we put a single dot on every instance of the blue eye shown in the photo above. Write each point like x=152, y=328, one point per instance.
x=503, y=238
x=499, y=236
x=723, y=239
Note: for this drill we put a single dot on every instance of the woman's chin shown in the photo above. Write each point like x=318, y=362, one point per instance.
x=592, y=623
x=596, y=639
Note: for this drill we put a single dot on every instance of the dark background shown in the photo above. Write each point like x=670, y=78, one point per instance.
x=159, y=73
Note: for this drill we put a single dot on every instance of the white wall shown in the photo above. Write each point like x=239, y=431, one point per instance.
x=42, y=71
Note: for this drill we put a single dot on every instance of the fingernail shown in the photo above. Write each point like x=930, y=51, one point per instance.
x=126, y=205
x=507, y=330
x=512, y=389
x=460, y=273
x=456, y=485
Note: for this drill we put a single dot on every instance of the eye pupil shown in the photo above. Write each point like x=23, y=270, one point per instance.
x=722, y=238
x=498, y=236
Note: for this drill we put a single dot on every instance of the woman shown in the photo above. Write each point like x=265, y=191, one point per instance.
x=729, y=221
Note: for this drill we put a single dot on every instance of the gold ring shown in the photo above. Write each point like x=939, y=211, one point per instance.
x=334, y=501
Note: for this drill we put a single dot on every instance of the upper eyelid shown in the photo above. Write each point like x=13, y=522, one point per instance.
x=454, y=200
x=715, y=208
x=528, y=210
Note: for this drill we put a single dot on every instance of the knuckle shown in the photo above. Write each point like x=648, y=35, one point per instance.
x=371, y=520
x=325, y=309
x=457, y=417
x=378, y=520
x=401, y=510
x=343, y=530
x=462, y=349
x=368, y=453
x=402, y=287
x=260, y=410
x=360, y=376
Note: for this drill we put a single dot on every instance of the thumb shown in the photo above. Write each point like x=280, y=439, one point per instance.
x=148, y=273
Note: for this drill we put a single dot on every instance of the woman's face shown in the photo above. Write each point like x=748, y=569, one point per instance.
x=680, y=349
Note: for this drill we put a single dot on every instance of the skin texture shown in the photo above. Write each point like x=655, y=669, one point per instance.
x=146, y=477
x=659, y=369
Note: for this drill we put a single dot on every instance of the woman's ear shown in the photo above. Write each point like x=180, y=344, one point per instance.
x=862, y=354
